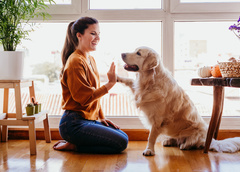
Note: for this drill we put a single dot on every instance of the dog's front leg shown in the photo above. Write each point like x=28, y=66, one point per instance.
x=127, y=81
x=149, y=151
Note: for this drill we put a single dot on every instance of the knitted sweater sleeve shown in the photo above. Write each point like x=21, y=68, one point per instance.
x=81, y=88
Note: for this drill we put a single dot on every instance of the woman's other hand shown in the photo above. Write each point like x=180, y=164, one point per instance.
x=108, y=122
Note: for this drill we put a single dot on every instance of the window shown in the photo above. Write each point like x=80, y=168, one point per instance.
x=64, y=7
x=117, y=38
x=43, y=61
x=184, y=32
x=204, y=6
x=125, y=4
x=199, y=44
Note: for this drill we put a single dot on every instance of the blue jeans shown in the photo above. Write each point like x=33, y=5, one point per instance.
x=91, y=136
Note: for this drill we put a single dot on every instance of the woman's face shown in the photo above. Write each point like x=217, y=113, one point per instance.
x=89, y=40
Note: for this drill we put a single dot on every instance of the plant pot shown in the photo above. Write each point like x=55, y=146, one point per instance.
x=11, y=65
x=37, y=108
x=30, y=110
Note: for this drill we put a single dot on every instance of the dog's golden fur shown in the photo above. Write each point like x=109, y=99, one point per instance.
x=165, y=104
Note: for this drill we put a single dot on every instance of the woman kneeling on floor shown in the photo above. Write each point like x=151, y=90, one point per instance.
x=81, y=93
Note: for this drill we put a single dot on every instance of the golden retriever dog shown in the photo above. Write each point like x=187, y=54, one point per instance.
x=166, y=106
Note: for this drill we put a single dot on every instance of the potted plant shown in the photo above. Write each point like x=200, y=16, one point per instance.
x=36, y=105
x=30, y=109
x=15, y=16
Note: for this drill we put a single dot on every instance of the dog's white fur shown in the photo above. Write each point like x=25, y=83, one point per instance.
x=167, y=107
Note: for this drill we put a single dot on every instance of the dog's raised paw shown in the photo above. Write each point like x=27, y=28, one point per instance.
x=119, y=79
x=148, y=152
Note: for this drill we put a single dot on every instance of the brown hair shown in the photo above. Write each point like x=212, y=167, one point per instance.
x=71, y=41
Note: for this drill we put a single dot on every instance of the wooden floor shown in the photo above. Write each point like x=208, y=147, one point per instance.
x=14, y=156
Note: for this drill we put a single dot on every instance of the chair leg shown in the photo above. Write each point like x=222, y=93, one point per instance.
x=4, y=133
x=47, y=130
x=218, y=97
x=32, y=137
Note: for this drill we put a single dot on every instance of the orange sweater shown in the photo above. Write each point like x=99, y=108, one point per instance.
x=81, y=89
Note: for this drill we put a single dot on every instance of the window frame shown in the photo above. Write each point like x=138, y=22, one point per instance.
x=178, y=7
x=172, y=11
x=59, y=9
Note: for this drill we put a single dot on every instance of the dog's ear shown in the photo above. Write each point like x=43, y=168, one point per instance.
x=151, y=62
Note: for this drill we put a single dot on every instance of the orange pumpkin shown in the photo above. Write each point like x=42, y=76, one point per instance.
x=215, y=71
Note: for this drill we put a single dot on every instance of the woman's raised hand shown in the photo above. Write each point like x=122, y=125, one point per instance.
x=112, y=77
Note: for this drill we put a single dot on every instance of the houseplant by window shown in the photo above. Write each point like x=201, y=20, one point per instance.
x=15, y=16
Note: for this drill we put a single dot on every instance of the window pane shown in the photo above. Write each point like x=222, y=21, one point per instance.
x=200, y=44
x=58, y=2
x=117, y=38
x=203, y=1
x=125, y=4
x=43, y=62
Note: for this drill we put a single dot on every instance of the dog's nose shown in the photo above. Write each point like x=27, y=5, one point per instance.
x=123, y=55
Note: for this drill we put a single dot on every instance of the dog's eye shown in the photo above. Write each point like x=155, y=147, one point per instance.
x=138, y=53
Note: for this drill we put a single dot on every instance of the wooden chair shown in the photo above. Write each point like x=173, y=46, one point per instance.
x=18, y=118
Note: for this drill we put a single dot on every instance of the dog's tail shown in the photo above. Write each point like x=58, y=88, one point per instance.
x=229, y=145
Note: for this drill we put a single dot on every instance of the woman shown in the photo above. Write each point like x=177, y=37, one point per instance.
x=81, y=94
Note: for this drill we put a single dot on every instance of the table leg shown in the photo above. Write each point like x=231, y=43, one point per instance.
x=221, y=102
x=32, y=137
x=0, y=133
x=218, y=99
x=5, y=110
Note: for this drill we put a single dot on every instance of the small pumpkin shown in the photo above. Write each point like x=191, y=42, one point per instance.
x=215, y=71
x=204, y=72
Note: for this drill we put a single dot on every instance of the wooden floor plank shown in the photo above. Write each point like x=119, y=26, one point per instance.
x=15, y=156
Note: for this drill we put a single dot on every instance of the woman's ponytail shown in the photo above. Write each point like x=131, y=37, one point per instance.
x=68, y=48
